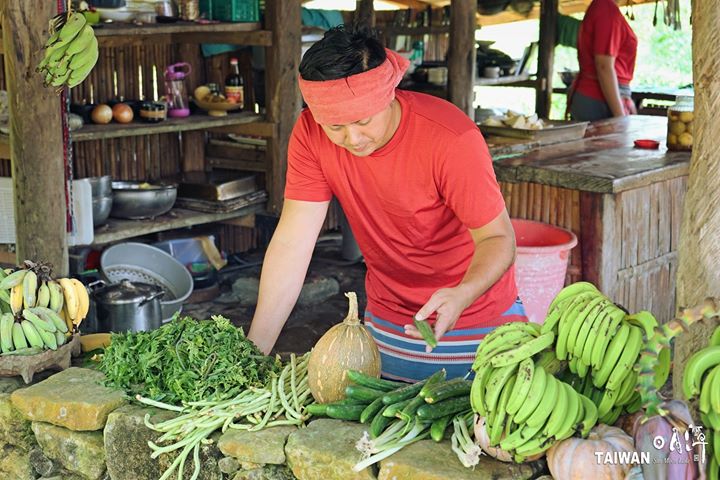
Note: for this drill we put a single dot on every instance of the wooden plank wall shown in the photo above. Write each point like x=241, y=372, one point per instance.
x=5, y=169
x=650, y=219
x=553, y=205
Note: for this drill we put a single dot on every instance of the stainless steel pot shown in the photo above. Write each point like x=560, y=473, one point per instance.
x=138, y=200
x=127, y=306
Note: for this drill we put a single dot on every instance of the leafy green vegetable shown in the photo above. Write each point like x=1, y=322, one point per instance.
x=187, y=360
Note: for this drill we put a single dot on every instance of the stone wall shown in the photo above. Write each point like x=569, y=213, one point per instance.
x=70, y=427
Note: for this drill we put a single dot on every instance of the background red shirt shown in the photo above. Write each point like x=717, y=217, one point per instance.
x=410, y=204
x=604, y=31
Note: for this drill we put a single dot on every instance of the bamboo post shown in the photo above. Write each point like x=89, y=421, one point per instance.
x=282, y=94
x=546, y=51
x=365, y=13
x=36, y=140
x=461, y=54
x=699, y=253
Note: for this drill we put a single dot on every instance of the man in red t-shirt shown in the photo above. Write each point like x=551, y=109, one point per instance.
x=607, y=48
x=415, y=180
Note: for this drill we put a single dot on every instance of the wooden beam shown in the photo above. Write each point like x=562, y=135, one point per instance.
x=699, y=255
x=37, y=166
x=546, y=53
x=365, y=13
x=282, y=94
x=461, y=54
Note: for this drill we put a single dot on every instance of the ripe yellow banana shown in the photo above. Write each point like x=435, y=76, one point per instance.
x=72, y=303
x=30, y=285
x=83, y=300
x=16, y=299
x=66, y=318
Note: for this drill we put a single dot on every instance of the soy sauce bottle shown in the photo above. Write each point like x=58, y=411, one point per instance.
x=234, y=84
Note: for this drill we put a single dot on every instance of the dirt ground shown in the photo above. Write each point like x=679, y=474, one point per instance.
x=306, y=324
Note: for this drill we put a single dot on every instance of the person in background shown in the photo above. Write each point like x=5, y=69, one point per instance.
x=607, y=48
x=415, y=179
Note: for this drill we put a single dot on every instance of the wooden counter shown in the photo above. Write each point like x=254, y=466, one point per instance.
x=623, y=203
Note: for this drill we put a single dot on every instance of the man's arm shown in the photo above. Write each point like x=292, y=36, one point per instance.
x=605, y=68
x=284, y=268
x=494, y=254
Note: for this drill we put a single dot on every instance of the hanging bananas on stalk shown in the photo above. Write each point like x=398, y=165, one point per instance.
x=71, y=51
x=701, y=381
x=37, y=312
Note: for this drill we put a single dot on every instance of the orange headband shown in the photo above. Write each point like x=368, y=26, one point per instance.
x=349, y=99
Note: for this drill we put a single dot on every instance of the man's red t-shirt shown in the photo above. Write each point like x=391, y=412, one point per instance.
x=410, y=205
x=604, y=31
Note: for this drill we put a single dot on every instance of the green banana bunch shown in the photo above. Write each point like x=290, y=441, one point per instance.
x=31, y=334
x=18, y=337
x=696, y=367
x=38, y=322
x=70, y=53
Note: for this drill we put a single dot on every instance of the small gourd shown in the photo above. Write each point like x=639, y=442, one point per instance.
x=575, y=458
x=346, y=346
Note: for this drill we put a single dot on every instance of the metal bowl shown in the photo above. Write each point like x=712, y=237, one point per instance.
x=138, y=200
x=101, y=186
x=101, y=209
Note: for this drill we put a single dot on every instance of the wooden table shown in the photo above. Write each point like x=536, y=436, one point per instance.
x=623, y=203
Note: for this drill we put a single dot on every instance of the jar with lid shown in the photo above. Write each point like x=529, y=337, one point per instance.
x=680, y=124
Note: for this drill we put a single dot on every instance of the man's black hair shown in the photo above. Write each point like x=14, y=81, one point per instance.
x=343, y=51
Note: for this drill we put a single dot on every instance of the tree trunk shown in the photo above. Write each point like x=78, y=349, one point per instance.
x=36, y=137
x=461, y=56
x=699, y=252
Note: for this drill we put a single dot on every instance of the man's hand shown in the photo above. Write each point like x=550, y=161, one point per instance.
x=448, y=304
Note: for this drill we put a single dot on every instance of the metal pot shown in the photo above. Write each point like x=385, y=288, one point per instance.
x=127, y=306
x=137, y=200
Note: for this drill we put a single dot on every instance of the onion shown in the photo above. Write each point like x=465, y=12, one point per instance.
x=122, y=113
x=102, y=114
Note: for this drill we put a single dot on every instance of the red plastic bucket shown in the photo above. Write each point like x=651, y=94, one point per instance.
x=540, y=265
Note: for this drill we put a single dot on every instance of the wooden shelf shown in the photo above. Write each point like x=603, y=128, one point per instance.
x=117, y=34
x=247, y=123
x=508, y=80
x=117, y=229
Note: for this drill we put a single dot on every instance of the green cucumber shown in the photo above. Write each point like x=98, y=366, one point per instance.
x=438, y=427
x=364, y=394
x=450, y=406
x=426, y=331
x=392, y=410
x=408, y=412
x=345, y=412
x=317, y=409
x=372, y=410
x=433, y=379
x=379, y=424
x=360, y=378
x=403, y=393
x=452, y=388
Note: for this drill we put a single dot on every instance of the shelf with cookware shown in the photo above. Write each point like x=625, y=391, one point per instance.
x=130, y=69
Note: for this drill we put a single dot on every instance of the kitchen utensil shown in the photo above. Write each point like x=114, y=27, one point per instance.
x=647, y=144
x=217, y=109
x=126, y=306
x=165, y=8
x=137, y=200
x=175, y=90
x=101, y=207
x=121, y=14
x=101, y=186
x=143, y=263
x=153, y=112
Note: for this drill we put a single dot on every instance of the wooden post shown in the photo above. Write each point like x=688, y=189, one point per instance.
x=282, y=94
x=365, y=13
x=546, y=52
x=699, y=254
x=36, y=140
x=461, y=54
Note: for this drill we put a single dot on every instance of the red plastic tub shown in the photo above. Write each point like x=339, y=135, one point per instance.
x=541, y=264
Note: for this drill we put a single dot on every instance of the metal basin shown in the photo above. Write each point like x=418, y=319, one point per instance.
x=101, y=186
x=101, y=209
x=138, y=200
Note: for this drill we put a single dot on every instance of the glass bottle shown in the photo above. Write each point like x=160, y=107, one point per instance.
x=234, y=84
x=680, y=123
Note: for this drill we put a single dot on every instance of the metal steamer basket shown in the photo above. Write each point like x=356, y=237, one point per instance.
x=138, y=262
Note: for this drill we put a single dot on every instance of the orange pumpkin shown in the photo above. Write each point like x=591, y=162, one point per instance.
x=576, y=458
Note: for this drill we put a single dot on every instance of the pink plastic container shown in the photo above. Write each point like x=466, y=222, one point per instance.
x=541, y=264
